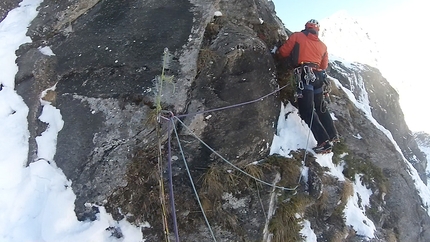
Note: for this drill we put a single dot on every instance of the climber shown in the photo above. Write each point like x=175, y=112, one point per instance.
x=308, y=55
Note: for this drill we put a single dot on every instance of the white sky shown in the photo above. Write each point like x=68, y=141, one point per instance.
x=400, y=33
x=37, y=202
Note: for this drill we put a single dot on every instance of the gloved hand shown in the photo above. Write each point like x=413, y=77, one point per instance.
x=274, y=50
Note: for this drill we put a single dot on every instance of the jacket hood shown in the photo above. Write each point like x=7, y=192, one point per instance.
x=311, y=34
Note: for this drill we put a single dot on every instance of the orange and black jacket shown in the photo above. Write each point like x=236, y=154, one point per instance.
x=305, y=47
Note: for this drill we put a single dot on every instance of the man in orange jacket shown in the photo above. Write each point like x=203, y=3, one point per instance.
x=308, y=54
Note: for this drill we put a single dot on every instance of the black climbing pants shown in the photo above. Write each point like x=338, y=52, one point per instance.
x=313, y=107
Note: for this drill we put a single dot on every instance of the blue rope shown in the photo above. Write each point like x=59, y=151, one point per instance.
x=231, y=164
x=307, y=141
x=192, y=182
x=172, y=197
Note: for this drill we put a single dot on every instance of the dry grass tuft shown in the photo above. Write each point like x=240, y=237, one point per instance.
x=255, y=171
x=206, y=58
x=347, y=191
x=337, y=236
x=50, y=96
x=289, y=169
x=323, y=201
x=141, y=196
x=213, y=184
x=391, y=236
x=285, y=225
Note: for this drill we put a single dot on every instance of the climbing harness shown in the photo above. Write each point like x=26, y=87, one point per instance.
x=309, y=75
x=305, y=72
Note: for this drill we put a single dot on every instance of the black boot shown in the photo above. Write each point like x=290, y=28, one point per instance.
x=323, y=148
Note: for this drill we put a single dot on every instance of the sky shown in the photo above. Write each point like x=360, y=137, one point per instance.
x=396, y=26
x=295, y=14
x=37, y=201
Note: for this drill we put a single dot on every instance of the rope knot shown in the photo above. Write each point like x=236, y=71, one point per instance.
x=166, y=115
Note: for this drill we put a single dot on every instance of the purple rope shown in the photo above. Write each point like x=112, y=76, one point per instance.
x=172, y=198
x=232, y=106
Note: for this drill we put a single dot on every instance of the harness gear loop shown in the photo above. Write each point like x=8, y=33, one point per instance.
x=309, y=75
x=299, y=83
x=298, y=75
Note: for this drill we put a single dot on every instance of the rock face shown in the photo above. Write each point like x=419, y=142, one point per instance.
x=6, y=6
x=399, y=212
x=129, y=75
x=385, y=107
